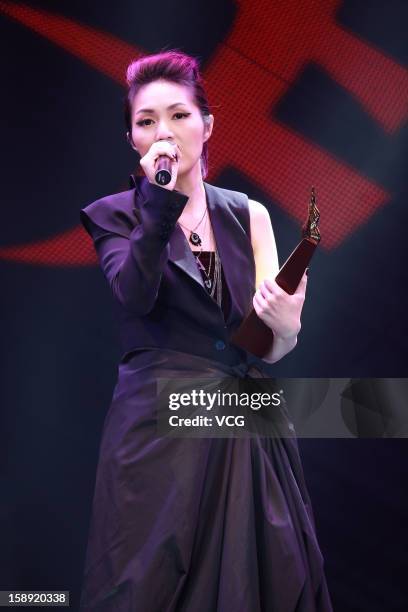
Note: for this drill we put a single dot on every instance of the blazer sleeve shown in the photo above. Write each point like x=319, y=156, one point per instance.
x=133, y=258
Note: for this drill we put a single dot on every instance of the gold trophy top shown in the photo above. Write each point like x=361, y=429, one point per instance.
x=310, y=229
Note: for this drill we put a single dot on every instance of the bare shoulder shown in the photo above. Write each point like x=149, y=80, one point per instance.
x=261, y=226
x=263, y=241
x=257, y=211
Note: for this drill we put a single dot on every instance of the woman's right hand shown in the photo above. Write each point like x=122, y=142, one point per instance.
x=148, y=161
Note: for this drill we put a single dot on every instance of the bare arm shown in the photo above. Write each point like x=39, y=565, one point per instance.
x=279, y=310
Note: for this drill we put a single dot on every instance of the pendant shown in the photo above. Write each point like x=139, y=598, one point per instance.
x=200, y=265
x=195, y=239
x=208, y=283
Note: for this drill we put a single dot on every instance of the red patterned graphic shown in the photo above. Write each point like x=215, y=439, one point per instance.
x=265, y=52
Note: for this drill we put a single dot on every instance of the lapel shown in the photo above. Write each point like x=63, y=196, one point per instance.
x=221, y=219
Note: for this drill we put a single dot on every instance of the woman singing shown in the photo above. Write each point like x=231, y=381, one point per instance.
x=192, y=524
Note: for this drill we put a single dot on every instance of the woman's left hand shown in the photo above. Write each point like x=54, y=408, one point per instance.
x=279, y=310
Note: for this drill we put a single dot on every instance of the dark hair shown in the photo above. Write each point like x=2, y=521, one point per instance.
x=173, y=66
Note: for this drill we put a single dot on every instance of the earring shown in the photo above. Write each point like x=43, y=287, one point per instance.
x=129, y=139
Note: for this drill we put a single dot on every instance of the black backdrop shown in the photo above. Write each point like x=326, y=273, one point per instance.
x=336, y=118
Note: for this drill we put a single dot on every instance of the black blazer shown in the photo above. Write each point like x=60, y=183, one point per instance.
x=159, y=293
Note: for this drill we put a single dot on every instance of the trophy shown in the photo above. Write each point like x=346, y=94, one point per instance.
x=253, y=335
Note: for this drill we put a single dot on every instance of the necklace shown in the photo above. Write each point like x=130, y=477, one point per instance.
x=208, y=281
x=194, y=237
x=212, y=284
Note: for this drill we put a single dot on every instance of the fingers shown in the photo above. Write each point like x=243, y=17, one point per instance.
x=260, y=300
x=260, y=304
x=149, y=161
x=164, y=147
x=271, y=292
x=269, y=285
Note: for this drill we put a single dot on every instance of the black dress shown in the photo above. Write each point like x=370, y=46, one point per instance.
x=196, y=524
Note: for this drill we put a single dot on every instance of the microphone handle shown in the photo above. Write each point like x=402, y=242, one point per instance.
x=163, y=170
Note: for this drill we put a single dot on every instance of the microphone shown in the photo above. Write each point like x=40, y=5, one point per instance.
x=163, y=170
